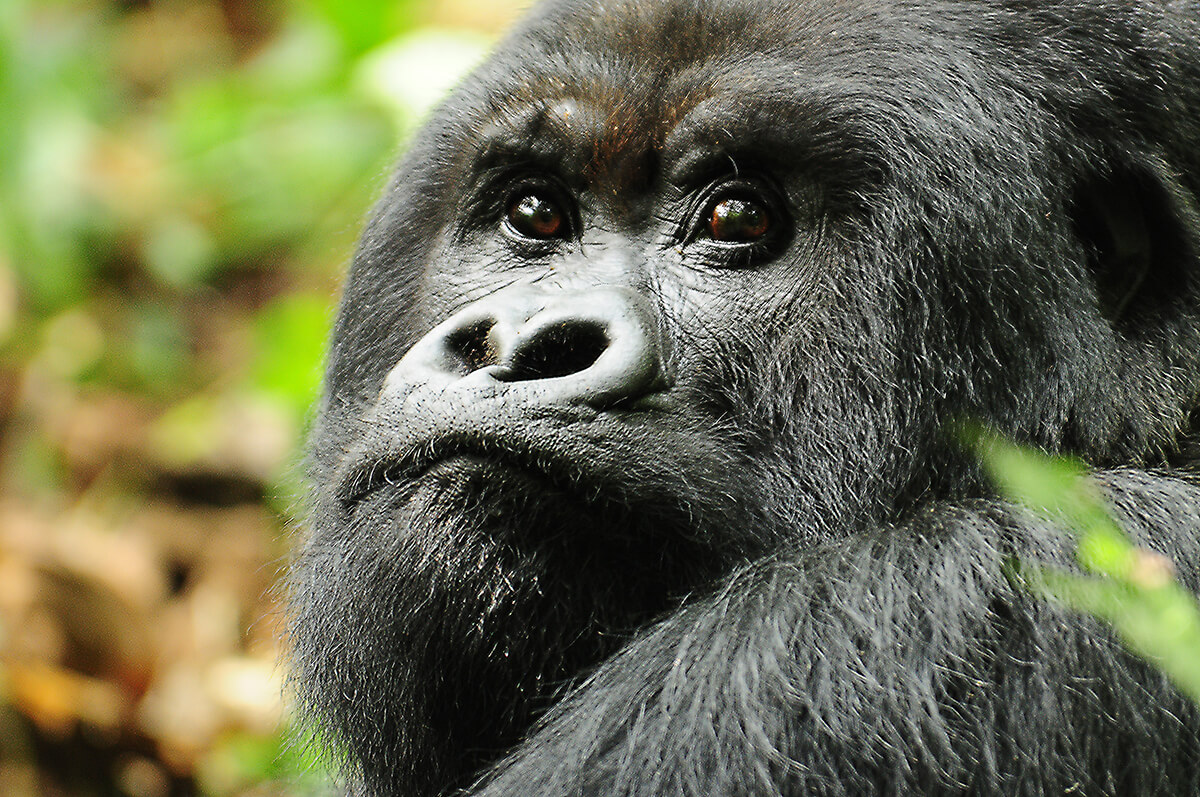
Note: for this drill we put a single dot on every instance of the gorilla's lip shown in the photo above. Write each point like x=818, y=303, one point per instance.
x=419, y=459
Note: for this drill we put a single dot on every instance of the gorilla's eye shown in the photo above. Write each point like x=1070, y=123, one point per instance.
x=735, y=220
x=531, y=215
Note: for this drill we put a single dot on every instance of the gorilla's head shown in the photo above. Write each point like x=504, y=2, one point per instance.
x=668, y=287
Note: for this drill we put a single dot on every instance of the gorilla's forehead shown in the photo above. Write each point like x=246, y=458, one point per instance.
x=621, y=143
x=628, y=93
x=682, y=32
x=621, y=91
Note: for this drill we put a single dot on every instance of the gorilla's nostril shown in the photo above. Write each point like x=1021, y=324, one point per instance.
x=557, y=350
x=474, y=346
x=596, y=347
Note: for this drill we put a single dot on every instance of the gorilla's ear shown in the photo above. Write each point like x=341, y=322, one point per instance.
x=1141, y=228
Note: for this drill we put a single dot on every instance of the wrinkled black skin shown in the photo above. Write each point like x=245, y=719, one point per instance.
x=779, y=576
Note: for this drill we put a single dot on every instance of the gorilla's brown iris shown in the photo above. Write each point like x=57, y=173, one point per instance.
x=534, y=216
x=738, y=221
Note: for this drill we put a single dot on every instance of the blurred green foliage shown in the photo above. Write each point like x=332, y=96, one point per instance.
x=181, y=186
x=1131, y=588
x=243, y=760
x=181, y=183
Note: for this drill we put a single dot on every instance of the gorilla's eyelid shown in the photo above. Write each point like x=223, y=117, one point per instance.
x=823, y=142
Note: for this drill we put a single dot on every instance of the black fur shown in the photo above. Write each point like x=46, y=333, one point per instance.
x=763, y=569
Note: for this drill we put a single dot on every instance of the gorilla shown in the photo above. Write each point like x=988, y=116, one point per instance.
x=631, y=469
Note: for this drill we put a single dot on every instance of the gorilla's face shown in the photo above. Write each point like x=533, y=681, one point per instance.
x=596, y=357
x=650, y=305
x=635, y=363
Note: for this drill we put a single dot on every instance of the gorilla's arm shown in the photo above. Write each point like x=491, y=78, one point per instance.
x=903, y=656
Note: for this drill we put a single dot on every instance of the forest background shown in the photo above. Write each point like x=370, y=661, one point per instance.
x=181, y=186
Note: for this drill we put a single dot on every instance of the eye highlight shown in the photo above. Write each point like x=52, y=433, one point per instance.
x=737, y=220
x=532, y=215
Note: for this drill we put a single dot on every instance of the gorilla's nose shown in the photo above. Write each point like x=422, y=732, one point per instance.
x=597, y=347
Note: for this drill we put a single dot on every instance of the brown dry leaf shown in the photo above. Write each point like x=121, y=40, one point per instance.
x=57, y=700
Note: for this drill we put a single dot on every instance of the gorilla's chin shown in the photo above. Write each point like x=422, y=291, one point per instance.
x=480, y=527
x=466, y=600
x=501, y=498
x=433, y=570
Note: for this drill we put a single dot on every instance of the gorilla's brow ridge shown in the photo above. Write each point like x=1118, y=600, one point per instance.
x=686, y=140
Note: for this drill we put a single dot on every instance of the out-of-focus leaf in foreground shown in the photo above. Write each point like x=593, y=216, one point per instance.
x=1131, y=588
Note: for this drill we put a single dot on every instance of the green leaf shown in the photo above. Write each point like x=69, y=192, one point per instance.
x=1130, y=588
x=1160, y=623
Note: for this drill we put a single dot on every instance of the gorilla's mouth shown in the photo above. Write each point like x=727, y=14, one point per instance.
x=520, y=494
x=463, y=457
